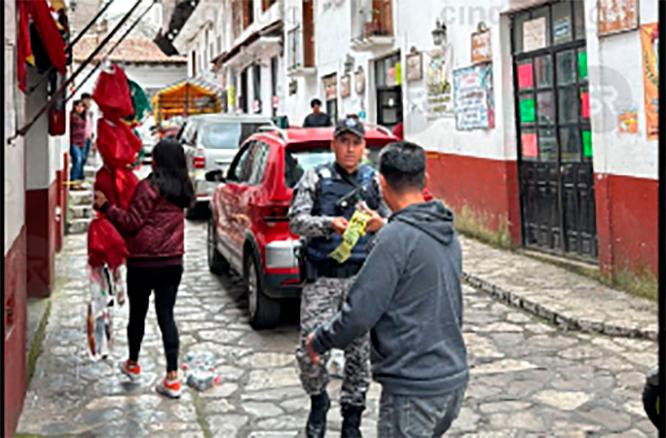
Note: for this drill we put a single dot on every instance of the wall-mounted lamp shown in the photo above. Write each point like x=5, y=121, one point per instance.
x=349, y=64
x=439, y=34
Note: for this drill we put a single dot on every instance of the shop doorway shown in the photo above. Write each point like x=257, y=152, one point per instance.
x=553, y=124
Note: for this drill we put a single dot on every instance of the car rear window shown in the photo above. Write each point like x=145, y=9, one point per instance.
x=297, y=162
x=227, y=135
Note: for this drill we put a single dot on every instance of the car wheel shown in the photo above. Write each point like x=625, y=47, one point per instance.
x=264, y=311
x=216, y=262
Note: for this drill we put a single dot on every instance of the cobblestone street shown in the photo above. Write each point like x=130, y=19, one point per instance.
x=528, y=378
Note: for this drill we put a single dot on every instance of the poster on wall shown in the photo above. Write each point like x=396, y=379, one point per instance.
x=616, y=16
x=473, y=97
x=534, y=34
x=10, y=114
x=650, y=49
x=414, y=66
x=231, y=96
x=440, y=97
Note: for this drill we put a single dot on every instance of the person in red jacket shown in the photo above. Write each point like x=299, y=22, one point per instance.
x=154, y=229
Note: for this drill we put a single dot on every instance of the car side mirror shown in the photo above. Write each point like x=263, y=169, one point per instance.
x=216, y=175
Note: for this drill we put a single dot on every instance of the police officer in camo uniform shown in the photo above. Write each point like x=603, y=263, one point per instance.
x=325, y=199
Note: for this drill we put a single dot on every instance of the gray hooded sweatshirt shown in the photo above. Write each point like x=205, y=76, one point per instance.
x=408, y=295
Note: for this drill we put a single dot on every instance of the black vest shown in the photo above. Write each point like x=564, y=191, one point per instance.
x=331, y=188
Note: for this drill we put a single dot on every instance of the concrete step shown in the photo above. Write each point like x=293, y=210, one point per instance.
x=80, y=212
x=80, y=197
x=77, y=226
x=89, y=172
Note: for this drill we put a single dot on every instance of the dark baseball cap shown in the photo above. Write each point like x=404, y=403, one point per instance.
x=349, y=124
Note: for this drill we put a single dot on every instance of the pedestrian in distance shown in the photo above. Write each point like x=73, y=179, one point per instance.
x=77, y=142
x=317, y=118
x=325, y=200
x=408, y=294
x=86, y=98
x=154, y=229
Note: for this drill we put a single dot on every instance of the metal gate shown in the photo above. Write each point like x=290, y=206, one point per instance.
x=553, y=125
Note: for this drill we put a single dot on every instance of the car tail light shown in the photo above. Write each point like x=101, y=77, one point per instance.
x=290, y=282
x=274, y=212
x=199, y=160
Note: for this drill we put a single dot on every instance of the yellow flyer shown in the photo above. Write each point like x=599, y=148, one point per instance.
x=354, y=231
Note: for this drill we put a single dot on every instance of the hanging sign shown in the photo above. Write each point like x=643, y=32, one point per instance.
x=359, y=80
x=481, y=51
x=440, y=98
x=345, y=86
x=293, y=87
x=473, y=97
x=534, y=34
x=414, y=66
x=331, y=86
x=616, y=16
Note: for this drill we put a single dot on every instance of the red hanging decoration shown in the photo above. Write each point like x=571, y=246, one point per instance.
x=112, y=94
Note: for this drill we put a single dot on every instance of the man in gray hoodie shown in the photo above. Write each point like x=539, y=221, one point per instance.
x=408, y=295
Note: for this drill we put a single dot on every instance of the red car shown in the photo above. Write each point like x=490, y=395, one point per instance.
x=249, y=229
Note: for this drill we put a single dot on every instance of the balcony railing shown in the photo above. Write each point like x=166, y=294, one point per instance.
x=371, y=23
x=296, y=59
x=295, y=48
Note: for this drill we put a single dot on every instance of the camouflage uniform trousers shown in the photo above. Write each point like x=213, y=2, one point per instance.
x=320, y=302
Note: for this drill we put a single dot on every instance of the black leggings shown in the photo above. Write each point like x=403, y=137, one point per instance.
x=140, y=282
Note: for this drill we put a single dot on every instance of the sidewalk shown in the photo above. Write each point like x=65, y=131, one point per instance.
x=556, y=294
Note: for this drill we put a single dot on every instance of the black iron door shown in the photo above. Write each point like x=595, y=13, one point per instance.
x=553, y=124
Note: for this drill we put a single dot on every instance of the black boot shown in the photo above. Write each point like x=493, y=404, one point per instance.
x=351, y=421
x=319, y=405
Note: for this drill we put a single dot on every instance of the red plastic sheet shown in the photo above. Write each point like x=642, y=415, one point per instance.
x=105, y=244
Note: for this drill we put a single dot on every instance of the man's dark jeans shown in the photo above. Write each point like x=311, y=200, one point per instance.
x=414, y=416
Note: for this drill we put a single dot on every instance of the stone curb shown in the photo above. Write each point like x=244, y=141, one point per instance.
x=559, y=318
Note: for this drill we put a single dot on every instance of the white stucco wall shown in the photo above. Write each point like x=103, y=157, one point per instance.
x=619, y=85
x=461, y=18
x=621, y=76
x=43, y=152
x=14, y=162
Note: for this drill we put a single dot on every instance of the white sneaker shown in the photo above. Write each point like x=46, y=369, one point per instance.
x=169, y=388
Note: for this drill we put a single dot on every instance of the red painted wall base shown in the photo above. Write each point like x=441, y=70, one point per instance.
x=489, y=188
x=41, y=229
x=627, y=207
x=627, y=223
x=15, y=325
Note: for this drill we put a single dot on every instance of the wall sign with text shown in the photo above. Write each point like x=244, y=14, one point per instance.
x=474, y=104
